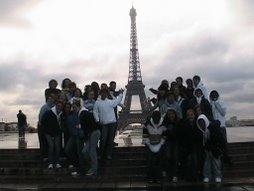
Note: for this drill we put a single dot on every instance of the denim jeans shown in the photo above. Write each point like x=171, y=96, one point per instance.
x=154, y=162
x=211, y=166
x=73, y=151
x=54, y=146
x=107, y=140
x=43, y=142
x=91, y=150
x=170, y=157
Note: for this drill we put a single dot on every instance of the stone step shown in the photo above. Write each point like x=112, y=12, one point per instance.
x=69, y=179
x=64, y=162
x=231, y=146
x=228, y=171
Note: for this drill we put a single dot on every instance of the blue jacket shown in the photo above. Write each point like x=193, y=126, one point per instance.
x=72, y=123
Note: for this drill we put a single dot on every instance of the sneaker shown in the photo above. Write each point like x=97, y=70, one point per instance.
x=218, y=180
x=50, y=166
x=206, y=180
x=175, y=179
x=90, y=173
x=58, y=165
x=70, y=166
x=109, y=157
x=75, y=173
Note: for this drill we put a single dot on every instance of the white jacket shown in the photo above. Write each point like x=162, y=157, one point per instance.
x=103, y=110
x=203, y=88
x=219, y=111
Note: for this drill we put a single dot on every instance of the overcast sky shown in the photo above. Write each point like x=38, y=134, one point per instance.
x=87, y=40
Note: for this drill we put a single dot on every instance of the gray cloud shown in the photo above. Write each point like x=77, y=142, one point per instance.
x=12, y=12
x=244, y=12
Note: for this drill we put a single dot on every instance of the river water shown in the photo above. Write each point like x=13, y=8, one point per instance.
x=10, y=140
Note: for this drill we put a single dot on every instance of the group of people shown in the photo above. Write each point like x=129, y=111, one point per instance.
x=82, y=120
x=186, y=136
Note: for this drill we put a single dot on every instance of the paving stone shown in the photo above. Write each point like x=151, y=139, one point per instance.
x=249, y=188
x=71, y=185
x=138, y=184
x=108, y=185
x=126, y=184
x=93, y=185
x=47, y=185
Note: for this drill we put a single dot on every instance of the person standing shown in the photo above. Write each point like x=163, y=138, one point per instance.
x=212, y=143
x=93, y=133
x=73, y=149
x=22, y=123
x=41, y=132
x=154, y=137
x=51, y=122
x=104, y=114
x=219, y=111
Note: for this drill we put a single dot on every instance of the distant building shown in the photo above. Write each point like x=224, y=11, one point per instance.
x=2, y=125
x=234, y=122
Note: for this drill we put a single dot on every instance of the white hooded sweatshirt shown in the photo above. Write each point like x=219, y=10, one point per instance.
x=206, y=133
x=219, y=110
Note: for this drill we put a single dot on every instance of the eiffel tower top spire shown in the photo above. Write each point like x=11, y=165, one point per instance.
x=134, y=64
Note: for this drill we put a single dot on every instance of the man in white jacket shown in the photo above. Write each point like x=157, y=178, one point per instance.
x=105, y=115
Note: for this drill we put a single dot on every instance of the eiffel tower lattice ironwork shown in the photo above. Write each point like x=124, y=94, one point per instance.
x=135, y=85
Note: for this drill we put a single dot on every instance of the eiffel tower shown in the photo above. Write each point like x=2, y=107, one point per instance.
x=135, y=85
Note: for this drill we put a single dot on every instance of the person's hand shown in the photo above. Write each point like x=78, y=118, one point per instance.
x=121, y=91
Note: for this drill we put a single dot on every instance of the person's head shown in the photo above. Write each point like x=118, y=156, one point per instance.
x=90, y=94
x=171, y=114
x=112, y=85
x=87, y=88
x=59, y=106
x=53, y=84
x=104, y=93
x=189, y=83
x=190, y=113
x=156, y=116
x=165, y=83
x=66, y=83
x=62, y=97
x=176, y=92
x=20, y=111
x=179, y=81
x=170, y=97
x=214, y=95
x=202, y=122
x=162, y=91
x=76, y=106
x=198, y=110
x=67, y=108
x=104, y=86
x=196, y=79
x=173, y=85
x=73, y=86
x=51, y=98
x=77, y=92
x=95, y=86
x=198, y=93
